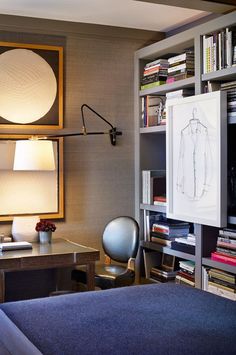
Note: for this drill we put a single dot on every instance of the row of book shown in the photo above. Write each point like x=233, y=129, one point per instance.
x=161, y=71
x=225, y=247
x=153, y=107
x=219, y=50
x=219, y=282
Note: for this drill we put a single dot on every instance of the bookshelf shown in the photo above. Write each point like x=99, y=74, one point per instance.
x=150, y=142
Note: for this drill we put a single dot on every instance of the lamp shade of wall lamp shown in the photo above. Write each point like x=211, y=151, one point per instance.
x=34, y=155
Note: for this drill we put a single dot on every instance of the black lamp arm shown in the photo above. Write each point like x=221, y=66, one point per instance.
x=112, y=132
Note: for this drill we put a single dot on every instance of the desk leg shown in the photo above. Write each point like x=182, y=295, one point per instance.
x=90, y=270
x=2, y=286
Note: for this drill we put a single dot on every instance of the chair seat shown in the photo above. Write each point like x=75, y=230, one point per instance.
x=109, y=271
x=106, y=276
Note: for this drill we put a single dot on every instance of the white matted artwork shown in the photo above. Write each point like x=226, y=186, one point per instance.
x=197, y=159
x=30, y=192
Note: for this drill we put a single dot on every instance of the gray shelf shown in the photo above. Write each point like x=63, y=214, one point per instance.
x=153, y=208
x=154, y=129
x=224, y=74
x=163, y=89
x=218, y=265
x=166, y=250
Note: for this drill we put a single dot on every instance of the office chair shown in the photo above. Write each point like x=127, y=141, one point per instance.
x=120, y=242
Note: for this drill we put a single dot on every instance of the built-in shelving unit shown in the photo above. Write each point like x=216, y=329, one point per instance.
x=150, y=142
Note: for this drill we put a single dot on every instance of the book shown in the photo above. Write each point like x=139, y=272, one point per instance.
x=227, y=232
x=222, y=275
x=171, y=228
x=156, y=62
x=15, y=246
x=181, y=57
x=187, y=265
x=221, y=292
x=152, y=85
x=185, y=248
x=223, y=258
x=184, y=66
x=180, y=93
x=182, y=280
x=161, y=241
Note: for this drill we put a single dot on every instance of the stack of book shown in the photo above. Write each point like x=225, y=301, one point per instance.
x=153, y=184
x=219, y=282
x=166, y=231
x=186, y=274
x=154, y=74
x=230, y=87
x=158, y=274
x=159, y=200
x=181, y=66
x=185, y=244
x=225, y=247
x=152, y=110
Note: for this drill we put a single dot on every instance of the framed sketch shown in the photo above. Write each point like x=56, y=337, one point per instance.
x=25, y=193
x=197, y=159
x=31, y=86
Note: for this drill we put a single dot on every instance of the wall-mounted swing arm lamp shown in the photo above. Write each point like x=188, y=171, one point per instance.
x=113, y=133
x=37, y=152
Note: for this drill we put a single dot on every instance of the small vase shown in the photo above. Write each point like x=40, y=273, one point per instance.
x=45, y=237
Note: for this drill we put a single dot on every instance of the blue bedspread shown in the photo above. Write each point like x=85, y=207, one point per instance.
x=150, y=319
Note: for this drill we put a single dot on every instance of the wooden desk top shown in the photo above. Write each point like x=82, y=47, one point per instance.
x=60, y=253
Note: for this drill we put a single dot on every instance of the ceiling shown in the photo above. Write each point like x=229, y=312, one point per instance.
x=153, y=15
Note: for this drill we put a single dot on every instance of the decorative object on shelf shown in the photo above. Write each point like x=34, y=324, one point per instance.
x=197, y=159
x=33, y=83
x=23, y=229
x=45, y=229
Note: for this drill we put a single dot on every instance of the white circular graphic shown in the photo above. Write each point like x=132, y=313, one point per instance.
x=28, y=86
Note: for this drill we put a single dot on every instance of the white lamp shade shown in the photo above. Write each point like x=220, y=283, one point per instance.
x=34, y=155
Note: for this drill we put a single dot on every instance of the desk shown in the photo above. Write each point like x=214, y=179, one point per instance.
x=60, y=253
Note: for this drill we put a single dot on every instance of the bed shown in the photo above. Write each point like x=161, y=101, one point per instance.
x=148, y=319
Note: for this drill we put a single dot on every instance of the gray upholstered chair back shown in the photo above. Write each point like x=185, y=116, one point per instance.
x=121, y=239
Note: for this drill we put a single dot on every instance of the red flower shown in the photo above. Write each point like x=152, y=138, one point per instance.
x=45, y=226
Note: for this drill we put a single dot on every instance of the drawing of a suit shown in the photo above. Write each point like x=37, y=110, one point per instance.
x=194, y=164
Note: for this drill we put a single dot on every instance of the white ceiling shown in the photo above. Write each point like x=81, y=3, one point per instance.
x=122, y=13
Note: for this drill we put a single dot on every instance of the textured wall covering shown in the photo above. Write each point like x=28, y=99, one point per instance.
x=99, y=178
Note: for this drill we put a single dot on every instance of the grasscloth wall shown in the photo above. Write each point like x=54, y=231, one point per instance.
x=98, y=68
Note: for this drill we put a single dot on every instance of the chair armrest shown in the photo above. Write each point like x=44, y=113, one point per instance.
x=131, y=264
x=107, y=260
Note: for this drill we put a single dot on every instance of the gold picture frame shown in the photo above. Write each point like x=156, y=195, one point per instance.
x=25, y=193
x=31, y=88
